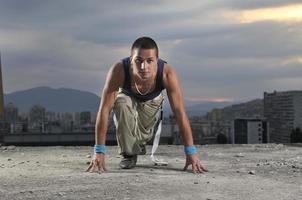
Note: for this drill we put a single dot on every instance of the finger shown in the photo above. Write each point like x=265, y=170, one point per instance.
x=203, y=168
x=199, y=168
x=104, y=167
x=186, y=167
x=100, y=168
x=93, y=168
x=194, y=169
x=89, y=167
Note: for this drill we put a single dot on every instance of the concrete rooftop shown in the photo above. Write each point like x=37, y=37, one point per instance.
x=267, y=171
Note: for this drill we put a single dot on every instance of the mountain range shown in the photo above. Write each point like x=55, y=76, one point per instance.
x=56, y=100
x=71, y=100
x=250, y=109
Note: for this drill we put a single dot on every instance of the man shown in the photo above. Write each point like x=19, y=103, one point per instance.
x=133, y=89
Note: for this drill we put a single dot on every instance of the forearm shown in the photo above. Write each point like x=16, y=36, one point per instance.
x=101, y=127
x=185, y=128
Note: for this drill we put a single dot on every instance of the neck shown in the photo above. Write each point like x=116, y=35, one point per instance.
x=139, y=80
x=142, y=93
x=142, y=86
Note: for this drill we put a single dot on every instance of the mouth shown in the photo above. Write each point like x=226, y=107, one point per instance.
x=144, y=73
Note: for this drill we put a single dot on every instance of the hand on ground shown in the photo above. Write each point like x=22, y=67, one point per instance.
x=97, y=163
x=197, y=166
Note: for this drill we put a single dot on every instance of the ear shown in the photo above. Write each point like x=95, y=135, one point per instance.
x=131, y=57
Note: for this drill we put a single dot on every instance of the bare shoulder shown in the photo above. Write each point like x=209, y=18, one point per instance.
x=117, y=70
x=115, y=77
x=169, y=75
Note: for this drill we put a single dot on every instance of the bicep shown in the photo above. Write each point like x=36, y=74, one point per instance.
x=107, y=100
x=111, y=87
x=174, y=92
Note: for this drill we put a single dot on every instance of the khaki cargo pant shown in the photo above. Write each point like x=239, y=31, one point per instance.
x=135, y=122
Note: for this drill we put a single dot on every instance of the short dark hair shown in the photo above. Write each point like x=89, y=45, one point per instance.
x=144, y=43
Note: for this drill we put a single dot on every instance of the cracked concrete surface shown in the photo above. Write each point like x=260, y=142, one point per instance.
x=266, y=171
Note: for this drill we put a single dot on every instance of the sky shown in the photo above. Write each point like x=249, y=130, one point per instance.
x=226, y=50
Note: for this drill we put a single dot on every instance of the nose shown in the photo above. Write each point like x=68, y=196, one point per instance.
x=143, y=65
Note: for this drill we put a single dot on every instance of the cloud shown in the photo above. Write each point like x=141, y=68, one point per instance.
x=73, y=44
x=46, y=58
x=252, y=4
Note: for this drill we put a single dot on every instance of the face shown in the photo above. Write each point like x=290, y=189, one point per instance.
x=144, y=63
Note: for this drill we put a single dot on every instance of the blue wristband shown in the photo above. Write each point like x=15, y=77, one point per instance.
x=99, y=148
x=190, y=150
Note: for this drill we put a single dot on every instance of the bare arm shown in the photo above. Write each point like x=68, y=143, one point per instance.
x=175, y=96
x=114, y=80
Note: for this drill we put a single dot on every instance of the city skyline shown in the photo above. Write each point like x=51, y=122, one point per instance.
x=226, y=51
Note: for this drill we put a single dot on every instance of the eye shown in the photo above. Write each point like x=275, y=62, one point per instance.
x=149, y=61
x=138, y=61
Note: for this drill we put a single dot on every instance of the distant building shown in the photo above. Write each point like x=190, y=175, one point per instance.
x=170, y=134
x=3, y=126
x=11, y=113
x=17, y=127
x=66, y=122
x=1, y=94
x=37, y=119
x=203, y=131
x=283, y=111
x=50, y=116
x=85, y=117
x=54, y=127
x=85, y=121
x=77, y=121
x=206, y=131
x=11, y=117
x=24, y=119
x=249, y=131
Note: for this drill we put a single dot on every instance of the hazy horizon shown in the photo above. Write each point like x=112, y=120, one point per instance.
x=191, y=100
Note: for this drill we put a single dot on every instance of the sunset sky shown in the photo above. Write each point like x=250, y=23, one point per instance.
x=227, y=50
